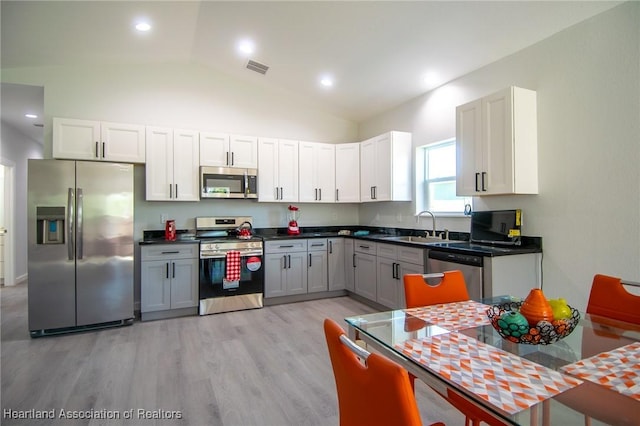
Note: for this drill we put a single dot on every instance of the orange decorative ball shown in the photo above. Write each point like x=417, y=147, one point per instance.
x=536, y=308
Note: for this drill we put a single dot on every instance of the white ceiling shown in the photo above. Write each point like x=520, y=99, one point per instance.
x=377, y=52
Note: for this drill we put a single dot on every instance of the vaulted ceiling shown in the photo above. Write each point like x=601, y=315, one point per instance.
x=378, y=53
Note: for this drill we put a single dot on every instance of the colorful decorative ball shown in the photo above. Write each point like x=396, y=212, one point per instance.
x=513, y=324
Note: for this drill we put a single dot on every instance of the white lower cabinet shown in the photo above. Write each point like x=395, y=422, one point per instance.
x=337, y=263
x=317, y=268
x=365, y=281
x=169, y=280
x=393, y=262
x=285, y=268
x=349, y=264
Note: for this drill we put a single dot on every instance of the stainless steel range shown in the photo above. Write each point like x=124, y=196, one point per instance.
x=231, y=265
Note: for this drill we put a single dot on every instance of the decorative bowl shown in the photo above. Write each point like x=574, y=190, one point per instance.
x=543, y=333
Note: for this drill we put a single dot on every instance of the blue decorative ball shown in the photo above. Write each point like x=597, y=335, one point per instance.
x=513, y=323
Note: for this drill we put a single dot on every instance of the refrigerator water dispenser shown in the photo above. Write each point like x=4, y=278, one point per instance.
x=50, y=225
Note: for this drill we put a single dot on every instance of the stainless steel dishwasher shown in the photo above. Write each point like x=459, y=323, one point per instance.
x=469, y=264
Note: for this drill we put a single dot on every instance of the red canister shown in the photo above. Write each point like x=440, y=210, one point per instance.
x=170, y=230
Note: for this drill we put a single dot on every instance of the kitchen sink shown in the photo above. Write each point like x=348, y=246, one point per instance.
x=415, y=239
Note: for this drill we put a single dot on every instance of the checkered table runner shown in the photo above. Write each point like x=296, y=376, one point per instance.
x=453, y=316
x=504, y=380
x=618, y=370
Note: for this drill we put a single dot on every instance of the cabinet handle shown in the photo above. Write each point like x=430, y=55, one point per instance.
x=309, y=260
x=316, y=198
x=103, y=149
x=330, y=247
x=174, y=269
x=289, y=246
x=477, y=187
x=176, y=190
x=232, y=159
x=289, y=257
x=393, y=270
x=320, y=191
x=375, y=192
x=354, y=260
x=284, y=261
x=397, y=271
x=171, y=252
x=364, y=247
x=97, y=152
x=337, y=196
x=170, y=191
x=167, y=270
x=484, y=174
x=281, y=194
x=371, y=191
x=227, y=162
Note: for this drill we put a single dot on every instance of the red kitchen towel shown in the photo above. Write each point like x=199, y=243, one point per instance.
x=233, y=265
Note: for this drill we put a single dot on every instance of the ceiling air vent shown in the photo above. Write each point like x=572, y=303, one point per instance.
x=257, y=67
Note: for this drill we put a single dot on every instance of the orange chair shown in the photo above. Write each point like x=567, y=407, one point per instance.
x=609, y=298
x=418, y=292
x=451, y=288
x=376, y=393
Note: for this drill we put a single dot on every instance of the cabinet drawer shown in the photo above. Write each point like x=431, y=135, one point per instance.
x=170, y=251
x=410, y=255
x=389, y=251
x=364, y=247
x=285, y=246
x=317, y=244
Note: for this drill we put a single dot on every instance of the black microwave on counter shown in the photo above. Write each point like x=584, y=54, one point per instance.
x=496, y=227
x=228, y=182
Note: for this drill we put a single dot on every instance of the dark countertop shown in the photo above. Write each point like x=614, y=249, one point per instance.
x=379, y=235
x=530, y=244
x=163, y=241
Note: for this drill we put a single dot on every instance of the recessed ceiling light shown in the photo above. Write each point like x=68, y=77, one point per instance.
x=31, y=115
x=246, y=47
x=431, y=78
x=143, y=26
x=326, y=81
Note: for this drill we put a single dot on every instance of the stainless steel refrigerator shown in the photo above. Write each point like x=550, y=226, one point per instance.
x=80, y=251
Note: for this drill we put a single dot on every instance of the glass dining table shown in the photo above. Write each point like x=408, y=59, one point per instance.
x=590, y=376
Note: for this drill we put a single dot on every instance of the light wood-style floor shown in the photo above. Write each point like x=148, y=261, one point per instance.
x=267, y=366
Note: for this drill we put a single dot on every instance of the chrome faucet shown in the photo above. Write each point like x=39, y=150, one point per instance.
x=433, y=218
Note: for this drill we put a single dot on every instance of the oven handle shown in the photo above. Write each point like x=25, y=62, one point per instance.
x=223, y=255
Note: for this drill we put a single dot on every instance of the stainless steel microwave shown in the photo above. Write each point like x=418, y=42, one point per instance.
x=226, y=182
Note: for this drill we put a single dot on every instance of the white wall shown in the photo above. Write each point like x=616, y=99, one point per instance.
x=587, y=80
x=191, y=97
x=17, y=148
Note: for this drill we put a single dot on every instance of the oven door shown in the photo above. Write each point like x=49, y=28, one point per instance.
x=213, y=271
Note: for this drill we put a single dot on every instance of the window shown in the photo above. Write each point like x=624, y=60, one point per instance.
x=436, y=179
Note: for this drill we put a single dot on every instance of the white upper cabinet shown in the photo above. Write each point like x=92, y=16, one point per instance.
x=385, y=168
x=172, y=171
x=496, y=144
x=98, y=141
x=348, y=173
x=223, y=150
x=277, y=170
x=317, y=172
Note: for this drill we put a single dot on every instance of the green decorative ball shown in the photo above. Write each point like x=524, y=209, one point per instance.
x=513, y=324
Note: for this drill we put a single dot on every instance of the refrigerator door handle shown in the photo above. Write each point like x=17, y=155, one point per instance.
x=79, y=226
x=70, y=219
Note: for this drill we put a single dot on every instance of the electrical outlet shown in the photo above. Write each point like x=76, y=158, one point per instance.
x=163, y=218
